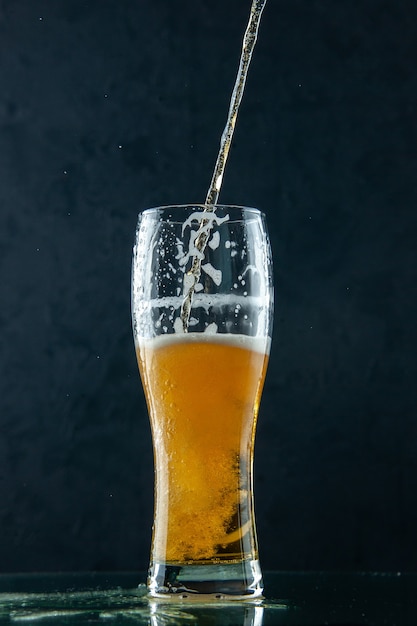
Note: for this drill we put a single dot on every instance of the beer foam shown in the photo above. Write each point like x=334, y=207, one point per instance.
x=255, y=344
x=207, y=301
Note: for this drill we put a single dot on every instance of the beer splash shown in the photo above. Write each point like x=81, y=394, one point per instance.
x=192, y=277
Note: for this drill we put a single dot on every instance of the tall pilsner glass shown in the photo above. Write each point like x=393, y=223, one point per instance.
x=203, y=377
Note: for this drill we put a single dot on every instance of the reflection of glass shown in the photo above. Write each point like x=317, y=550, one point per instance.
x=203, y=389
x=236, y=614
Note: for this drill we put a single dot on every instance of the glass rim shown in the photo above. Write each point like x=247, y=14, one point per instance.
x=164, y=207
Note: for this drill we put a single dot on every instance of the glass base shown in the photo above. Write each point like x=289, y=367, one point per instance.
x=213, y=582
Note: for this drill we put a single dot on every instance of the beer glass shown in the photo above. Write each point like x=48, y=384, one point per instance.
x=202, y=300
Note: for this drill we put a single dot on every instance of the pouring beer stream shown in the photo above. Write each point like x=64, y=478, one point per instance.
x=193, y=275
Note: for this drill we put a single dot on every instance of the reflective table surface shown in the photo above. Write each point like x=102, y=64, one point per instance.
x=290, y=598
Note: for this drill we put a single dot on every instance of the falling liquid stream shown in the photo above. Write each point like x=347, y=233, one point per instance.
x=249, y=41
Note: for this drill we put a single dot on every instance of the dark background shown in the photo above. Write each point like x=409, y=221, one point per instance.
x=108, y=107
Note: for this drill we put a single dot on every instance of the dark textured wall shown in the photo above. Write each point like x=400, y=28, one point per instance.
x=110, y=106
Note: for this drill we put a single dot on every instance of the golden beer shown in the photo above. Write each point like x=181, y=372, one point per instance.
x=203, y=393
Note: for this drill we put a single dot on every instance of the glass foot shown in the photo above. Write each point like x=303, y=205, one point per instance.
x=213, y=582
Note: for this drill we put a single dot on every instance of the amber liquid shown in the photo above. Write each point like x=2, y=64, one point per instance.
x=203, y=395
